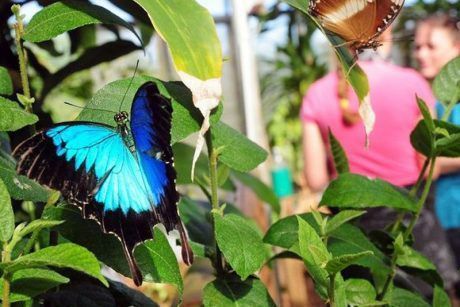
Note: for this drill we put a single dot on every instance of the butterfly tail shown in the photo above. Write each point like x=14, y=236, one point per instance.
x=187, y=253
x=134, y=269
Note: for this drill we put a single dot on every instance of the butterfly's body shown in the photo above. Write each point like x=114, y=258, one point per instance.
x=122, y=177
x=358, y=22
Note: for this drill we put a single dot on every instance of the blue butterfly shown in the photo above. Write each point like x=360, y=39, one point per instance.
x=123, y=178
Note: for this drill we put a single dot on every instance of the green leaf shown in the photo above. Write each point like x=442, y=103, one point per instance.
x=447, y=82
x=348, y=239
x=233, y=292
x=356, y=191
x=262, y=191
x=67, y=255
x=340, y=158
x=413, y=259
x=37, y=225
x=426, y=113
x=158, y=262
x=28, y=283
x=21, y=187
x=440, y=298
x=195, y=216
x=183, y=156
x=6, y=85
x=339, y=263
x=90, y=57
x=64, y=16
x=238, y=152
x=404, y=298
x=14, y=117
x=190, y=33
x=446, y=142
x=285, y=232
x=186, y=119
x=341, y=218
x=106, y=247
x=241, y=245
x=359, y=292
x=6, y=214
x=314, y=253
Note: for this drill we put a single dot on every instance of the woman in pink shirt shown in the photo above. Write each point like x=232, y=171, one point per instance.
x=330, y=104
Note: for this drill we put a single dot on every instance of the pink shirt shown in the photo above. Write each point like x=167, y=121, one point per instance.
x=390, y=155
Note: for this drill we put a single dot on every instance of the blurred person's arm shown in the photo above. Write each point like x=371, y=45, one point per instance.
x=448, y=165
x=315, y=158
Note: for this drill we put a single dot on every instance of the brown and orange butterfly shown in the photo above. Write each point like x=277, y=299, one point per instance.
x=358, y=22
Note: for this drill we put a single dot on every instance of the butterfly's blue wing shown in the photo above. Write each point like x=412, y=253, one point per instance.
x=150, y=126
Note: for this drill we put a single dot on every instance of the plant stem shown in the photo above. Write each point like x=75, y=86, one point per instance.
x=410, y=228
x=30, y=242
x=450, y=106
x=421, y=202
x=212, y=156
x=412, y=192
x=6, y=257
x=331, y=290
x=22, y=55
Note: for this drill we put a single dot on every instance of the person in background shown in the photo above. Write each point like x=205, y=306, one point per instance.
x=437, y=41
x=331, y=104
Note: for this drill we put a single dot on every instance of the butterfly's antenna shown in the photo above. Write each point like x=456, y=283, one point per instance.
x=84, y=108
x=129, y=85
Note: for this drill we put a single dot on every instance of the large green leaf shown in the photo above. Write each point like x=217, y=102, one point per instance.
x=262, y=191
x=158, y=261
x=6, y=214
x=447, y=83
x=91, y=57
x=236, y=150
x=64, y=16
x=6, y=85
x=28, y=283
x=356, y=191
x=190, y=33
x=228, y=292
x=404, y=298
x=241, y=245
x=67, y=255
x=186, y=119
x=14, y=117
x=21, y=187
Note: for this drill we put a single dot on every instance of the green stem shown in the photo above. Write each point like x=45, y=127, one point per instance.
x=412, y=192
x=450, y=106
x=6, y=257
x=30, y=242
x=212, y=156
x=22, y=55
x=331, y=290
x=410, y=228
x=421, y=202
